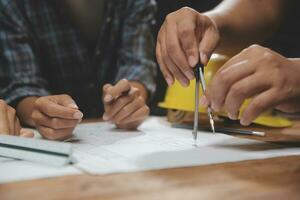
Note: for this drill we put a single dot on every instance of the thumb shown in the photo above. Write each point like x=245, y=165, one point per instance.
x=58, y=106
x=205, y=99
x=114, y=92
x=208, y=44
x=188, y=40
x=26, y=133
x=66, y=100
x=4, y=122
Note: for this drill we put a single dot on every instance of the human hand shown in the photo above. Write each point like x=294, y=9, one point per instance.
x=9, y=122
x=55, y=117
x=183, y=36
x=259, y=73
x=124, y=105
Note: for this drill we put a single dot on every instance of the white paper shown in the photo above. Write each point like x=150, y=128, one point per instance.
x=16, y=170
x=99, y=148
x=4, y=159
x=102, y=149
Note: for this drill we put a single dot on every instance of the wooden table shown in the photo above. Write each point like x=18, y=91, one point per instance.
x=275, y=178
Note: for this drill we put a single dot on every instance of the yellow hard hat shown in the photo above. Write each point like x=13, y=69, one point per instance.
x=181, y=98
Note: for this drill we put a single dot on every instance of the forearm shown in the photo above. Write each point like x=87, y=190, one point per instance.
x=253, y=21
x=24, y=110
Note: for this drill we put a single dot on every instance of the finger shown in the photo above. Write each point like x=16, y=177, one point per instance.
x=53, y=122
x=116, y=91
x=223, y=81
x=11, y=115
x=52, y=134
x=163, y=68
x=139, y=115
x=105, y=87
x=17, y=126
x=208, y=44
x=66, y=100
x=187, y=33
x=53, y=109
x=243, y=89
x=112, y=109
x=176, y=53
x=26, y=133
x=130, y=108
x=4, y=123
x=259, y=104
x=172, y=67
x=129, y=126
x=204, y=100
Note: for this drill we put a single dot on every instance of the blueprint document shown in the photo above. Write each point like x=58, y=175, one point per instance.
x=100, y=148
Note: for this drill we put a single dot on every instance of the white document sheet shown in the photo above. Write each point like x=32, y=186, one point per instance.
x=17, y=170
x=102, y=149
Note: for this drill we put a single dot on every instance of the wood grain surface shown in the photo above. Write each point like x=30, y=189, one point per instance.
x=276, y=178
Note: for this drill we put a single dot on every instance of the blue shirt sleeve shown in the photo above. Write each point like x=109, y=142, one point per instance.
x=136, y=61
x=19, y=71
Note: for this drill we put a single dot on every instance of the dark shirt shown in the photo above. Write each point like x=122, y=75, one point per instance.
x=42, y=53
x=286, y=40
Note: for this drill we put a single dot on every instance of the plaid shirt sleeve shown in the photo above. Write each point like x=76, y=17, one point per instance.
x=19, y=71
x=136, y=61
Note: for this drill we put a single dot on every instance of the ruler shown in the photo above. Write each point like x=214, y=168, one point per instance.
x=36, y=150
